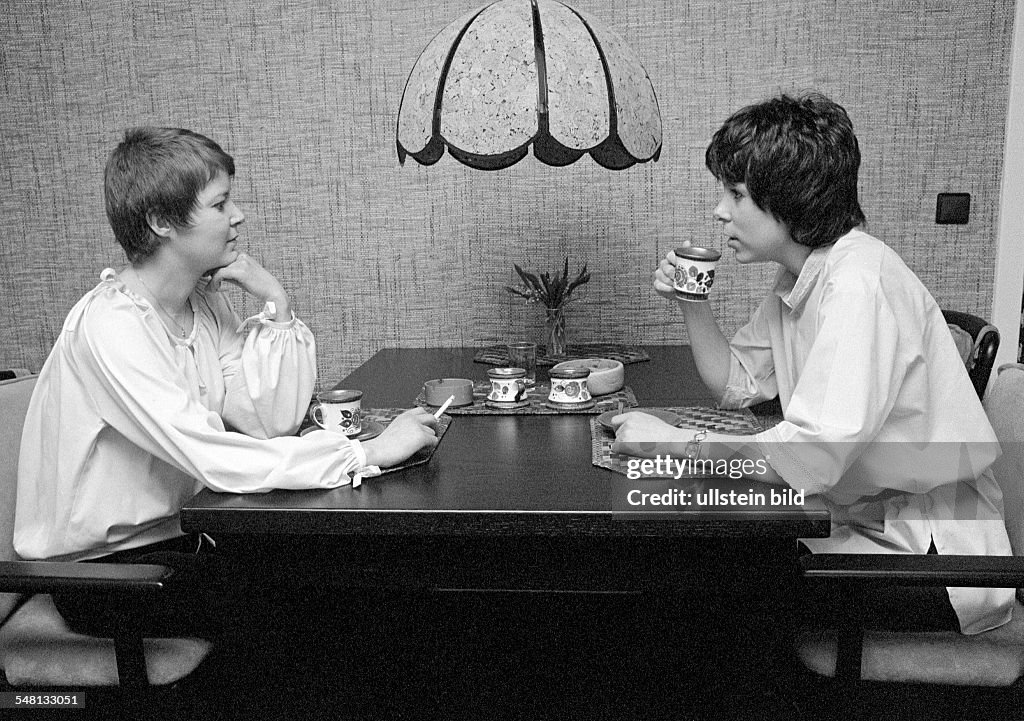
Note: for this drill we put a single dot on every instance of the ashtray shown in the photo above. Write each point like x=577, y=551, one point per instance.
x=437, y=391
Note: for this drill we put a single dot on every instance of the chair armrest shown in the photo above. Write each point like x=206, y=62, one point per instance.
x=119, y=578
x=55, y=576
x=898, y=569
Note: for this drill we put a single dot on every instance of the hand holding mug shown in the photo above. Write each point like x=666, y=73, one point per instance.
x=664, y=275
x=694, y=272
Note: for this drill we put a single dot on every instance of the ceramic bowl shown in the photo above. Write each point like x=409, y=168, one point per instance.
x=436, y=391
x=606, y=376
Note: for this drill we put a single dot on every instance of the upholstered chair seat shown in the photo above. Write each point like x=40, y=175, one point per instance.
x=36, y=647
x=994, y=658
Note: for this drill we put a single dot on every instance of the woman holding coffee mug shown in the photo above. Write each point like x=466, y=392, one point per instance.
x=155, y=388
x=881, y=421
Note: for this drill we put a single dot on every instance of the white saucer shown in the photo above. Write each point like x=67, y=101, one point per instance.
x=578, y=406
x=508, y=405
x=371, y=429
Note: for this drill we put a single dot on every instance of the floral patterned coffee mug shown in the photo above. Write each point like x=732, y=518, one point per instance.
x=569, y=385
x=338, y=411
x=508, y=385
x=695, y=272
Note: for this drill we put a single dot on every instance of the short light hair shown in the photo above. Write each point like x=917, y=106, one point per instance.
x=799, y=159
x=158, y=172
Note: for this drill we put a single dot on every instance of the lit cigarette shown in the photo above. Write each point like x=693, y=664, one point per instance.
x=444, y=406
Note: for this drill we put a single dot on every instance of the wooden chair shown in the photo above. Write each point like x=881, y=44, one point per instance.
x=37, y=649
x=994, y=658
x=978, y=341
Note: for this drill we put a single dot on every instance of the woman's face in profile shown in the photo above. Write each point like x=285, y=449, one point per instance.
x=754, y=235
x=209, y=242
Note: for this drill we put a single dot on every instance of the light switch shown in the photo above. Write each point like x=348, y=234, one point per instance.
x=953, y=208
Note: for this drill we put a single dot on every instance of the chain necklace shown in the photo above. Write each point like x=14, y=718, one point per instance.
x=160, y=306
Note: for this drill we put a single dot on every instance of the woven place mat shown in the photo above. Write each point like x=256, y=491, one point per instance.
x=695, y=418
x=498, y=355
x=538, y=397
x=384, y=416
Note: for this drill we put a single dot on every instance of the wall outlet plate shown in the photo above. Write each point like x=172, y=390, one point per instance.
x=953, y=208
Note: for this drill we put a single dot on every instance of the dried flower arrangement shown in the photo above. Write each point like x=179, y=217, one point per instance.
x=551, y=292
x=554, y=294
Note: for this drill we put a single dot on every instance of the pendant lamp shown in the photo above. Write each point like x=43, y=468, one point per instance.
x=522, y=73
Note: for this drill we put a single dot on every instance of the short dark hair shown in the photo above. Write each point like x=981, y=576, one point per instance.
x=799, y=159
x=157, y=172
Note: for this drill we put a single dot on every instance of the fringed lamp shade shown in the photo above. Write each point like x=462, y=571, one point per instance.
x=522, y=72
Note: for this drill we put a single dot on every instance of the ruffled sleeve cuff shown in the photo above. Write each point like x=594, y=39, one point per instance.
x=265, y=317
x=362, y=470
x=358, y=451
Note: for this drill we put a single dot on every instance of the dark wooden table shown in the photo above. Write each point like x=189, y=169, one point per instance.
x=508, y=501
x=497, y=576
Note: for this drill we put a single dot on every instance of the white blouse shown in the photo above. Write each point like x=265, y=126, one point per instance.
x=127, y=422
x=881, y=420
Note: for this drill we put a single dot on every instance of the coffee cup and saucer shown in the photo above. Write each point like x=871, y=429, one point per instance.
x=508, y=389
x=569, y=390
x=340, y=411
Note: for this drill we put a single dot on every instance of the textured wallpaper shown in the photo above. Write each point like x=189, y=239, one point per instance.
x=305, y=95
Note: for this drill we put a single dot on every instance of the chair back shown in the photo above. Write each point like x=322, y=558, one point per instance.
x=14, y=397
x=978, y=342
x=1005, y=407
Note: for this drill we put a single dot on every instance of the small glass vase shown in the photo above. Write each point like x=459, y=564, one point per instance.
x=556, y=331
